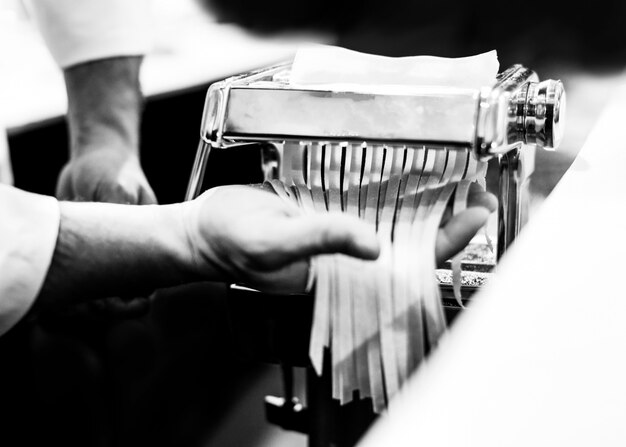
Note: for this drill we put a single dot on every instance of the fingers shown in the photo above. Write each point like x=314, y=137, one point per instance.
x=327, y=233
x=459, y=231
x=113, y=193
x=127, y=195
x=337, y=233
x=331, y=233
x=105, y=176
x=478, y=197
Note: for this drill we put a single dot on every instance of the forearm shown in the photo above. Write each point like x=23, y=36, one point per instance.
x=104, y=104
x=108, y=250
x=233, y=233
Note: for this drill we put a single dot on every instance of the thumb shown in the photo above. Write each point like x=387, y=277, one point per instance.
x=327, y=233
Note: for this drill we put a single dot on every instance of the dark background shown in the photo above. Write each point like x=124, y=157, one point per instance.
x=589, y=34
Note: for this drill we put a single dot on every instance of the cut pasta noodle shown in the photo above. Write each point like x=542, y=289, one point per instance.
x=378, y=319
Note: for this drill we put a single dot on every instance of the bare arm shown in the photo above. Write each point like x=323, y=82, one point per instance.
x=104, y=115
x=108, y=249
x=105, y=249
x=104, y=104
x=234, y=233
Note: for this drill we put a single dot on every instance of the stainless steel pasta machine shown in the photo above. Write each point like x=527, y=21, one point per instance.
x=503, y=123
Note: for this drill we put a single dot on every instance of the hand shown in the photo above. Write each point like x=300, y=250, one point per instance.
x=105, y=175
x=253, y=237
x=233, y=233
x=456, y=232
x=112, y=176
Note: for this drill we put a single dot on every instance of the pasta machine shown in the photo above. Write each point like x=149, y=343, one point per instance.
x=502, y=123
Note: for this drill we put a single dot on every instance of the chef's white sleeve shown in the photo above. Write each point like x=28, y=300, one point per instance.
x=29, y=226
x=78, y=31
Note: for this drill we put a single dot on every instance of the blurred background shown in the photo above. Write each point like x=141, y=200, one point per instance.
x=177, y=378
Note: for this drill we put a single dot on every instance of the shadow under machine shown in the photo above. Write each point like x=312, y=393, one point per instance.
x=261, y=111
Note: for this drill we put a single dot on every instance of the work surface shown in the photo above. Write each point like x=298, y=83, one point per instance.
x=538, y=358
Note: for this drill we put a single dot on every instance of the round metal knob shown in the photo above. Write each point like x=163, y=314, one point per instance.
x=544, y=114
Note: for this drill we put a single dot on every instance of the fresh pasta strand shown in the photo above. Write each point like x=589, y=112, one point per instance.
x=378, y=318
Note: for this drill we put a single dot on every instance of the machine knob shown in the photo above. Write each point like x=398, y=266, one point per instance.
x=544, y=114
